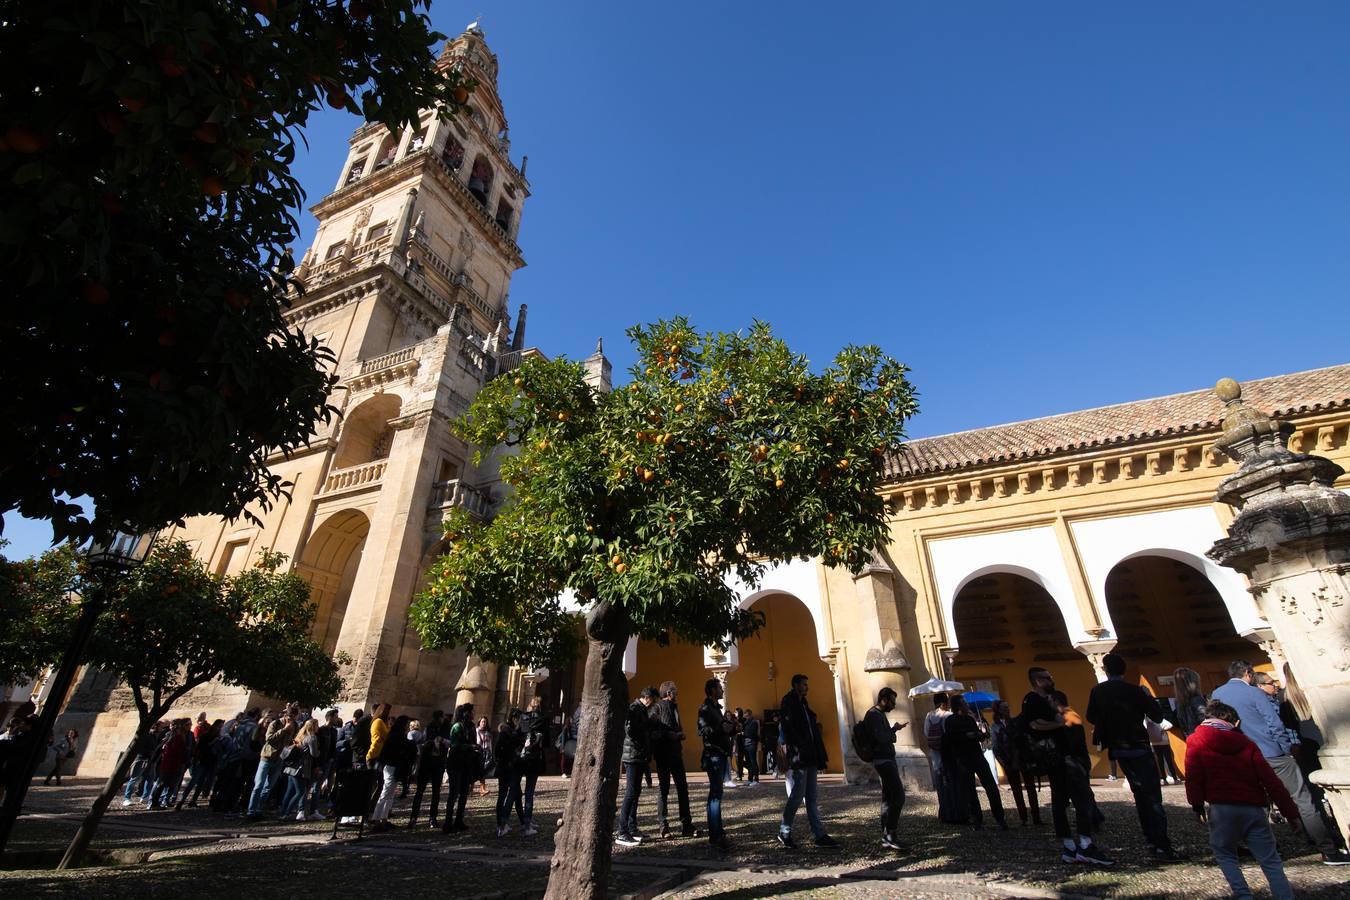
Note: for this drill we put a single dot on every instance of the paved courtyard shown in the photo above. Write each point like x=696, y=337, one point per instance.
x=165, y=854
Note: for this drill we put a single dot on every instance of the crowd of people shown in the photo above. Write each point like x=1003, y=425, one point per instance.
x=1248, y=747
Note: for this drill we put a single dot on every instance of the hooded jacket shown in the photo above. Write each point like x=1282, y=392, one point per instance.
x=1223, y=765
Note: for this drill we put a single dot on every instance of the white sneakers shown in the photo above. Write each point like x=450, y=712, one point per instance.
x=530, y=830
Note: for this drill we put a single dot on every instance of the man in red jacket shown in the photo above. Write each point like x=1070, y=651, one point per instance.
x=1225, y=769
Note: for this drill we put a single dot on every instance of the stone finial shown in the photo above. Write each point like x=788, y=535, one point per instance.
x=1248, y=432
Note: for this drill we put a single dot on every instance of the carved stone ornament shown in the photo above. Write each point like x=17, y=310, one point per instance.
x=889, y=658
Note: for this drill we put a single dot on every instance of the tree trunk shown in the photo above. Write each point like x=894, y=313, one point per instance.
x=580, y=867
x=80, y=843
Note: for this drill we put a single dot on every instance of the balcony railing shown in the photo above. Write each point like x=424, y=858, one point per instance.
x=364, y=475
x=389, y=360
x=454, y=492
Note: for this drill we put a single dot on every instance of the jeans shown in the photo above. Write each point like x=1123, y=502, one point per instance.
x=430, y=771
x=1286, y=767
x=1142, y=774
x=750, y=753
x=671, y=768
x=203, y=776
x=166, y=788
x=508, y=790
x=801, y=784
x=1069, y=784
x=892, y=795
x=526, y=814
x=717, y=773
x=293, y=800
x=633, y=773
x=262, y=784
x=456, y=792
x=134, y=779
x=1231, y=824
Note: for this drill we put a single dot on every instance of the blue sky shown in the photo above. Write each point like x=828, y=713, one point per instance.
x=1039, y=207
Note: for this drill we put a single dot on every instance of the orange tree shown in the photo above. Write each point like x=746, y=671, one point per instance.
x=145, y=210
x=725, y=454
x=171, y=626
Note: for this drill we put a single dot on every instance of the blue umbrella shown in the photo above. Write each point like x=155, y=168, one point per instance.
x=978, y=699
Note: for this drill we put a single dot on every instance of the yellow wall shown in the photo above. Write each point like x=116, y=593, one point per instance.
x=788, y=640
x=681, y=663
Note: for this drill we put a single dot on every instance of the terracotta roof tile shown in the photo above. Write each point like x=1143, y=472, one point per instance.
x=1120, y=425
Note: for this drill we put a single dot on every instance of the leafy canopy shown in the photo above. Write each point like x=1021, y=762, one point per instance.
x=37, y=610
x=171, y=625
x=145, y=211
x=725, y=453
x=167, y=626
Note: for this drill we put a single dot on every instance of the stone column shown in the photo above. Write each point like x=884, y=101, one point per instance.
x=886, y=666
x=1096, y=651
x=1291, y=538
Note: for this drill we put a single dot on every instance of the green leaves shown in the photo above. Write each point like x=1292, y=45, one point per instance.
x=725, y=453
x=145, y=214
x=37, y=611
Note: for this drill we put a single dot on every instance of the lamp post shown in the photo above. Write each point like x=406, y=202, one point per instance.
x=122, y=552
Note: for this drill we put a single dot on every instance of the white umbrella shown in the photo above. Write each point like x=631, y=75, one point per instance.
x=936, y=686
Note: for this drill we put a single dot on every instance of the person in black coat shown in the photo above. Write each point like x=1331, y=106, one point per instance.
x=750, y=746
x=636, y=753
x=804, y=751
x=667, y=743
x=716, y=734
x=963, y=756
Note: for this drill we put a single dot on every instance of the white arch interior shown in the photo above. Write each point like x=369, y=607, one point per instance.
x=1180, y=534
x=1030, y=552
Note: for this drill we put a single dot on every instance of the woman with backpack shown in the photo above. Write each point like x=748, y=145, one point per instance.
x=298, y=767
x=1005, y=751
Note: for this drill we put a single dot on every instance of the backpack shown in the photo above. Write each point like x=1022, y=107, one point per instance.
x=862, y=741
x=934, y=731
x=1037, y=753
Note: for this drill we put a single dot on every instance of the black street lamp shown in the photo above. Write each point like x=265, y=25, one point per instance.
x=122, y=552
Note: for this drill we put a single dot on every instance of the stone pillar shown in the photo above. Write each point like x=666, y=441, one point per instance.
x=886, y=666
x=1291, y=538
x=1096, y=651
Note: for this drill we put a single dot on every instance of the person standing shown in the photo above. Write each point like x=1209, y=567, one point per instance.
x=963, y=759
x=750, y=746
x=1005, y=751
x=1044, y=722
x=1187, y=701
x=326, y=765
x=462, y=762
x=486, y=764
x=1227, y=770
x=568, y=737
x=202, y=769
x=716, y=734
x=431, y=766
x=942, y=785
x=1118, y=709
x=882, y=734
x=636, y=754
x=1260, y=720
x=64, y=750
x=507, y=754
x=299, y=771
x=667, y=742
x=280, y=733
x=804, y=750
x=391, y=754
x=534, y=725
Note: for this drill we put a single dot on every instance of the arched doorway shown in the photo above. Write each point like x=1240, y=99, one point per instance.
x=784, y=647
x=329, y=563
x=682, y=663
x=1167, y=614
x=1007, y=623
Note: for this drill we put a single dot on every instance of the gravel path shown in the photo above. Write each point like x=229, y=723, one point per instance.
x=182, y=851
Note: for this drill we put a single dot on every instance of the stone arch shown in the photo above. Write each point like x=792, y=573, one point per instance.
x=1167, y=613
x=1181, y=534
x=367, y=434
x=1005, y=621
x=329, y=563
x=452, y=152
x=786, y=645
x=481, y=176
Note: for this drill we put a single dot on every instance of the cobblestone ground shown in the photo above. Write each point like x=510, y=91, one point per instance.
x=161, y=854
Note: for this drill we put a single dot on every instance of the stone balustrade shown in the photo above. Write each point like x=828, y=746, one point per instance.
x=364, y=475
x=389, y=360
x=454, y=492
